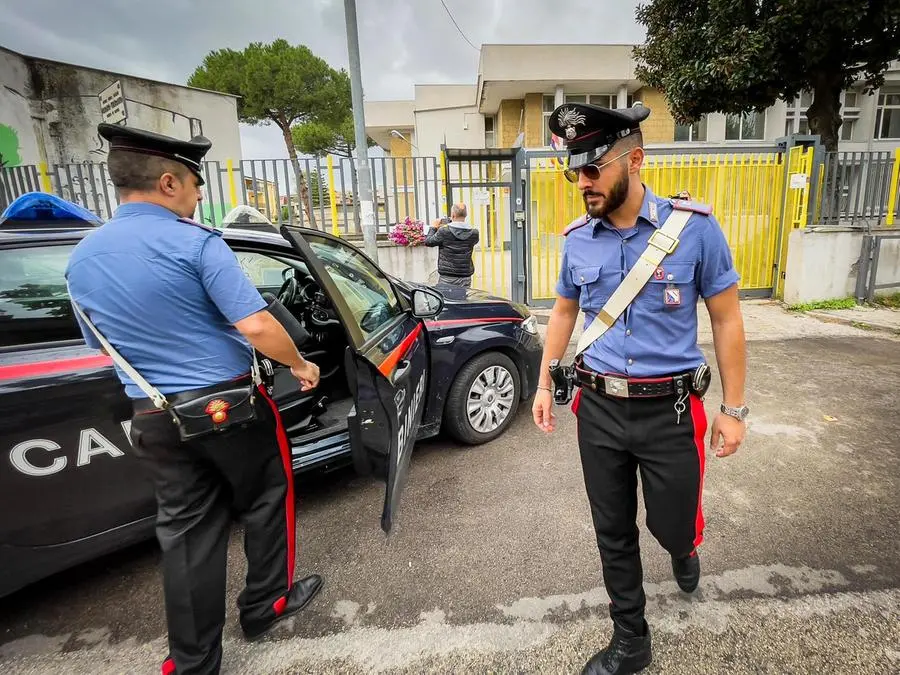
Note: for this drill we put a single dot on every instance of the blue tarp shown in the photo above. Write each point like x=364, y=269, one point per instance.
x=41, y=207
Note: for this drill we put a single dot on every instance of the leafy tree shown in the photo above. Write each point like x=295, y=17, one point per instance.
x=733, y=56
x=278, y=83
x=333, y=134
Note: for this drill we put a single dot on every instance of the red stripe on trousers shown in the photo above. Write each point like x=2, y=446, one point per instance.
x=576, y=401
x=285, y=448
x=698, y=416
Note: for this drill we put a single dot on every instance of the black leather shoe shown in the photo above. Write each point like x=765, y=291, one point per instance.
x=301, y=593
x=626, y=653
x=687, y=572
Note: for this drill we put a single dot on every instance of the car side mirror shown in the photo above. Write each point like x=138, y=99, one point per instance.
x=426, y=303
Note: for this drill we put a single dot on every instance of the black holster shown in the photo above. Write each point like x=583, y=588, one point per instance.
x=563, y=382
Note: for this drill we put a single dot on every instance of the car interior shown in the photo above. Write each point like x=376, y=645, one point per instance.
x=310, y=415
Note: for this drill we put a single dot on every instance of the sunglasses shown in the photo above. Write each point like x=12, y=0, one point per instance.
x=591, y=171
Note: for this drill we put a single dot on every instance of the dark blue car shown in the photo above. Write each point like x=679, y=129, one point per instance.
x=399, y=362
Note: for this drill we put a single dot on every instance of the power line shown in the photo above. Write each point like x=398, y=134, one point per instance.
x=458, y=28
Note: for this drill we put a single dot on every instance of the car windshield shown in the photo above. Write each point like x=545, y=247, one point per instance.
x=364, y=287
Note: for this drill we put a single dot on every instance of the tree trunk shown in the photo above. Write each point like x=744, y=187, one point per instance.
x=302, y=186
x=824, y=114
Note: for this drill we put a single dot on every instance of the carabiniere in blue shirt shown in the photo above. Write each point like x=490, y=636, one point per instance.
x=165, y=292
x=657, y=334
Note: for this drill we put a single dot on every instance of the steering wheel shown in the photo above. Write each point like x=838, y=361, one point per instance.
x=288, y=291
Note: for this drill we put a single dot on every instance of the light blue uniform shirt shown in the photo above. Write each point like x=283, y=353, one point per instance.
x=657, y=334
x=165, y=293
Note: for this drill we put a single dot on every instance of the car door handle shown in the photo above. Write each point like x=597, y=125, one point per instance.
x=402, y=371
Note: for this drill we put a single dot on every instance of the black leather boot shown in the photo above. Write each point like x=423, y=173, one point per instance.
x=687, y=572
x=626, y=653
x=301, y=593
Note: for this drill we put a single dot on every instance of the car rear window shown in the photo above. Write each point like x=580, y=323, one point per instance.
x=34, y=302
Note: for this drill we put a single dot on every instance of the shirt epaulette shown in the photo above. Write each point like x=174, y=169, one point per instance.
x=575, y=224
x=696, y=207
x=209, y=229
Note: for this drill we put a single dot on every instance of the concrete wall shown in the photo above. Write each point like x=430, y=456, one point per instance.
x=432, y=126
x=823, y=264
x=18, y=135
x=54, y=109
x=412, y=263
x=556, y=62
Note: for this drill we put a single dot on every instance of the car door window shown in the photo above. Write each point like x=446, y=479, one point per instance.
x=365, y=288
x=264, y=271
x=34, y=300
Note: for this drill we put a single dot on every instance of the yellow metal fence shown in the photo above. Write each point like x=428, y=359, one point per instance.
x=744, y=190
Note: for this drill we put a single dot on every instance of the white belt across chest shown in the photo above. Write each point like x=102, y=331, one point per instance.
x=662, y=242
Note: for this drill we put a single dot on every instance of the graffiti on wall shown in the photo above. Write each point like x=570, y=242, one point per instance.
x=9, y=147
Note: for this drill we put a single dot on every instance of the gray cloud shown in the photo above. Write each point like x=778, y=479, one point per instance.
x=402, y=42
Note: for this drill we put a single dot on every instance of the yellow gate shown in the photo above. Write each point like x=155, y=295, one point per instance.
x=745, y=191
x=483, y=181
x=796, y=204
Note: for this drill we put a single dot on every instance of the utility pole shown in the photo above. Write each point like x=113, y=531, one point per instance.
x=366, y=203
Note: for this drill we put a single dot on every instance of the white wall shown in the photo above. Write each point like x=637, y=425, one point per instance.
x=411, y=263
x=823, y=264
x=55, y=106
x=18, y=141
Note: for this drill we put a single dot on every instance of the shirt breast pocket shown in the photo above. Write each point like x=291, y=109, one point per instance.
x=596, y=283
x=676, y=290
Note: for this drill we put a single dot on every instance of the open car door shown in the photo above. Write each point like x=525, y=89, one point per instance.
x=387, y=360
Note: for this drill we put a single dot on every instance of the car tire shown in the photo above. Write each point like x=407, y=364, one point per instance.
x=473, y=384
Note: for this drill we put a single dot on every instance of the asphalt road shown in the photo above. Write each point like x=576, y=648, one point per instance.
x=493, y=567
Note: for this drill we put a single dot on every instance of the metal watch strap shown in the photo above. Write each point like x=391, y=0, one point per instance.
x=637, y=277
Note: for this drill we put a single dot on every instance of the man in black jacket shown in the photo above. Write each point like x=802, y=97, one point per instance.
x=455, y=240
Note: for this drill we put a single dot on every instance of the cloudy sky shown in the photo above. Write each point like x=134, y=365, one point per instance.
x=402, y=42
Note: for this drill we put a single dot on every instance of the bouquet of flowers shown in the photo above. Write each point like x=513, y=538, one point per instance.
x=408, y=233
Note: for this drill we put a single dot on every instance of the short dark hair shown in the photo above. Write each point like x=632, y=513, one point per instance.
x=137, y=172
x=633, y=140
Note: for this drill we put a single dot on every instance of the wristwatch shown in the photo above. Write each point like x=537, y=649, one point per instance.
x=738, y=413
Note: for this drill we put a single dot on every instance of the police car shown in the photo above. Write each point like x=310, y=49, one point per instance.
x=399, y=362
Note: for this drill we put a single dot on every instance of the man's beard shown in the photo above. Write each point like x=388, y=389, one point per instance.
x=612, y=201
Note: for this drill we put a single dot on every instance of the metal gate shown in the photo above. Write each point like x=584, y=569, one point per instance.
x=490, y=183
x=745, y=191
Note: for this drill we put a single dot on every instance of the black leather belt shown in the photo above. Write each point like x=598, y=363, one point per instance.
x=143, y=406
x=633, y=387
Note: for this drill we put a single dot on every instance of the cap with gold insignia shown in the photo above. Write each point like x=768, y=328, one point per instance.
x=190, y=153
x=590, y=130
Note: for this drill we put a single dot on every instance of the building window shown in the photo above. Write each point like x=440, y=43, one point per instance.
x=887, y=117
x=602, y=100
x=796, y=121
x=549, y=106
x=686, y=133
x=490, y=137
x=749, y=126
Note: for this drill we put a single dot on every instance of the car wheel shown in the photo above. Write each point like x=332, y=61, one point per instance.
x=483, y=399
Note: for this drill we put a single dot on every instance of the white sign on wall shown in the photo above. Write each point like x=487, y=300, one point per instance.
x=112, y=104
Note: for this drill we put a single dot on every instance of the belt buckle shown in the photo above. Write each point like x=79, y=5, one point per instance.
x=668, y=243
x=616, y=386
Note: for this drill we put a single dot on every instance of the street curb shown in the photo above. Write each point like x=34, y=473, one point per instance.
x=862, y=325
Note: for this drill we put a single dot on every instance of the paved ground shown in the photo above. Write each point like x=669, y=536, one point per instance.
x=493, y=567
x=872, y=318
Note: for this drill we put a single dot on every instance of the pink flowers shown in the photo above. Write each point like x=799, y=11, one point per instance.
x=408, y=233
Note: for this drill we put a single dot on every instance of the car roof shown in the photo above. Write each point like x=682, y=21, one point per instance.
x=76, y=233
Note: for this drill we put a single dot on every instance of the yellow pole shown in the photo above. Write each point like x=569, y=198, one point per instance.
x=892, y=193
x=46, y=185
x=232, y=190
x=331, y=198
x=446, y=208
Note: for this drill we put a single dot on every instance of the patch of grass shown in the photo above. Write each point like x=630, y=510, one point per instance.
x=841, y=303
x=861, y=325
x=892, y=300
